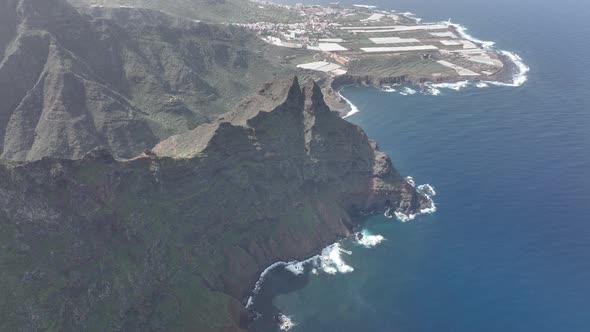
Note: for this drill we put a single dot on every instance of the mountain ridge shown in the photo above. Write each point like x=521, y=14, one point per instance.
x=175, y=240
x=123, y=78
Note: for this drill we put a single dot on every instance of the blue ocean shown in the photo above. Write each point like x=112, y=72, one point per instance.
x=508, y=248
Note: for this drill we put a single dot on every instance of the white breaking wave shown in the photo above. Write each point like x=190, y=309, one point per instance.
x=258, y=283
x=482, y=85
x=329, y=261
x=388, y=88
x=464, y=34
x=410, y=180
x=427, y=189
x=453, y=86
x=430, y=90
x=406, y=91
x=411, y=16
x=368, y=240
x=285, y=322
x=353, y=108
x=519, y=78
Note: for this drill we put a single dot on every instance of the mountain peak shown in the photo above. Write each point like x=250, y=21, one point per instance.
x=276, y=97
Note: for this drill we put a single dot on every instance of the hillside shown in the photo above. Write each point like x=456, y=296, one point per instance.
x=120, y=78
x=217, y=11
x=176, y=238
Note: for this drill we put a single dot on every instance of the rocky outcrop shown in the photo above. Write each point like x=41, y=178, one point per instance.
x=175, y=238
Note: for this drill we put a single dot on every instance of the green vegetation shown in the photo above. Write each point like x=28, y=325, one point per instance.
x=396, y=66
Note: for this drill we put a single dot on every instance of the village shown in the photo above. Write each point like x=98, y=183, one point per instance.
x=373, y=38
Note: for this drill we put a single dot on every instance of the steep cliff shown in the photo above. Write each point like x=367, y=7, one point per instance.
x=175, y=238
x=121, y=78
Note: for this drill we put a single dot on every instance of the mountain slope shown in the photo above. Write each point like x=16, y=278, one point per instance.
x=175, y=239
x=120, y=78
x=218, y=11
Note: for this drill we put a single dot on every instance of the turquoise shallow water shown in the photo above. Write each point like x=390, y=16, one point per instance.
x=509, y=246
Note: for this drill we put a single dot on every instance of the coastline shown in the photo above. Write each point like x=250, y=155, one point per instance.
x=353, y=108
x=515, y=71
x=329, y=259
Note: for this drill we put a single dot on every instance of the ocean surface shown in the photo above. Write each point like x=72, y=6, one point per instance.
x=508, y=248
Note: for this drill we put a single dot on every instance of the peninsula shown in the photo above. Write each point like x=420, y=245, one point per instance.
x=382, y=46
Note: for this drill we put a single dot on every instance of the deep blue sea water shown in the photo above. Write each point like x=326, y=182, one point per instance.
x=509, y=247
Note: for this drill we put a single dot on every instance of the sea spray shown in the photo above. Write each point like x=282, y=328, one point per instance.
x=353, y=108
x=518, y=79
x=285, y=322
x=388, y=88
x=260, y=280
x=457, y=86
x=329, y=261
x=407, y=91
x=462, y=31
x=368, y=240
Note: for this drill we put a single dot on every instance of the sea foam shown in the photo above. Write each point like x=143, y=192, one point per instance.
x=369, y=240
x=388, y=88
x=411, y=16
x=285, y=322
x=353, y=108
x=329, y=261
x=260, y=280
x=519, y=77
x=406, y=91
x=462, y=31
x=453, y=86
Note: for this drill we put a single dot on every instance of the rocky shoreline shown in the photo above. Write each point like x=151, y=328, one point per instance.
x=335, y=84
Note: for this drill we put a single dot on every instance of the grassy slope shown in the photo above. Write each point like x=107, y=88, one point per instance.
x=146, y=258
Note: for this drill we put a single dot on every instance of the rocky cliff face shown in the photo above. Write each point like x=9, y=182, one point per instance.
x=175, y=238
x=121, y=78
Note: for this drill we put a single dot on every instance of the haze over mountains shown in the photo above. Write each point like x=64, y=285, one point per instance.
x=120, y=78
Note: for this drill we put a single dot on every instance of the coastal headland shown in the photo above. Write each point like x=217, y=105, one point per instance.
x=363, y=45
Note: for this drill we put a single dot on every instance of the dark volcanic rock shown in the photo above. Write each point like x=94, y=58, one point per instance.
x=175, y=238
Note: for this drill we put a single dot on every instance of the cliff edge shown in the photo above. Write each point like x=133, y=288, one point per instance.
x=175, y=238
